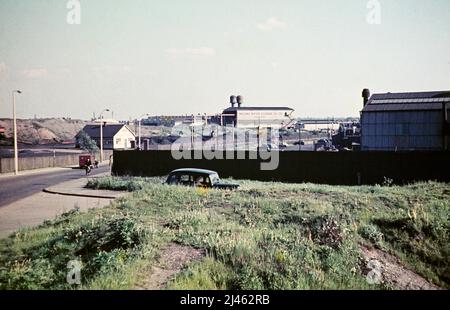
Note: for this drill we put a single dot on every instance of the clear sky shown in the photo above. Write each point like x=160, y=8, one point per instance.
x=189, y=56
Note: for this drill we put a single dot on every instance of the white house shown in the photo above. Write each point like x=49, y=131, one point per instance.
x=115, y=136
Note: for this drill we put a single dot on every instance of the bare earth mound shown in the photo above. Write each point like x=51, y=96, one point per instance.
x=173, y=258
x=394, y=273
x=40, y=131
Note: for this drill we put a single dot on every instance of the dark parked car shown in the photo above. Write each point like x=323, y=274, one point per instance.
x=323, y=144
x=198, y=178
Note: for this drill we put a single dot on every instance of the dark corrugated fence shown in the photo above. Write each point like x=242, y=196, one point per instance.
x=346, y=168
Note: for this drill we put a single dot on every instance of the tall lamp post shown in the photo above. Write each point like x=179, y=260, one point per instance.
x=101, y=134
x=139, y=129
x=16, y=153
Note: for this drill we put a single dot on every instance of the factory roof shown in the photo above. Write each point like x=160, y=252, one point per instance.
x=233, y=109
x=413, y=101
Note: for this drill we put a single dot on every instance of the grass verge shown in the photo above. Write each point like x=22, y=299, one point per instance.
x=264, y=236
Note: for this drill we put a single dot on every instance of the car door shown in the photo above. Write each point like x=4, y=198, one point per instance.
x=202, y=181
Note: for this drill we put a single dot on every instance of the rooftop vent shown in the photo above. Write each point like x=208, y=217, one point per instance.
x=233, y=100
x=366, y=96
x=240, y=100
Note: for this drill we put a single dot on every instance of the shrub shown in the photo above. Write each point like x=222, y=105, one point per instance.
x=101, y=247
x=371, y=233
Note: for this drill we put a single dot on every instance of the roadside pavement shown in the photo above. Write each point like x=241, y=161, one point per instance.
x=55, y=200
x=46, y=170
x=36, y=171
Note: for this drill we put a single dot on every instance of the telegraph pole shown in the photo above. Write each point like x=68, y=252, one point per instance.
x=16, y=152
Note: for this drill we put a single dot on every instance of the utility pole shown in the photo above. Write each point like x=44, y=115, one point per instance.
x=101, y=138
x=139, y=133
x=139, y=128
x=16, y=152
x=101, y=134
x=300, y=138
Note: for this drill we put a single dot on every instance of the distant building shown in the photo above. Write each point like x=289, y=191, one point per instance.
x=405, y=121
x=254, y=117
x=115, y=136
x=170, y=121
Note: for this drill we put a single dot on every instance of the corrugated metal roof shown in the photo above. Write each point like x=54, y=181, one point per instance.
x=412, y=95
x=414, y=101
x=403, y=107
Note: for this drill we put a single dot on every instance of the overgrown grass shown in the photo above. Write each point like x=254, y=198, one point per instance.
x=264, y=236
x=120, y=183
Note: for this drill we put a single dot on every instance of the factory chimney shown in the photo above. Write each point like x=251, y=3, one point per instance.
x=240, y=100
x=366, y=96
x=232, y=101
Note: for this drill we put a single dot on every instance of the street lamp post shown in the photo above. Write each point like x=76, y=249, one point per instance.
x=139, y=129
x=101, y=134
x=16, y=153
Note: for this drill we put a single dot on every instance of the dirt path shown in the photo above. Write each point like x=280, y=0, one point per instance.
x=173, y=258
x=394, y=273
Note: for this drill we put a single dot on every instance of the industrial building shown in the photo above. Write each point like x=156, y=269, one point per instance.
x=254, y=117
x=415, y=121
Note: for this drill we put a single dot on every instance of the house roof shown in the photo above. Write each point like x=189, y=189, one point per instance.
x=109, y=130
x=234, y=109
x=413, y=101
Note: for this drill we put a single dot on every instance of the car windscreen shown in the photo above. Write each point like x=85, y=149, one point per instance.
x=214, y=178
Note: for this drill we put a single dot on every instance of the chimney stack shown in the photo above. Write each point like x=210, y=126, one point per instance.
x=232, y=101
x=240, y=101
x=366, y=96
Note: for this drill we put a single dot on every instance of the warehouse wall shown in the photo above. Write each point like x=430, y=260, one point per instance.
x=347, y=168
x=406, y=130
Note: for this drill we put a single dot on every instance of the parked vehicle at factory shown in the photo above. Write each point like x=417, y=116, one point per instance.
x=348, y=136
x=198, y=178
x=269, y=147
x=301, y=142
x=283, y=145
x=323, y=145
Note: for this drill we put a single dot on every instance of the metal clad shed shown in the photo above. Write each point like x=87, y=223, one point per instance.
x=405, y=121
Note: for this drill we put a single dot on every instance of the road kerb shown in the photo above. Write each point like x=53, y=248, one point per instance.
x=50, y=191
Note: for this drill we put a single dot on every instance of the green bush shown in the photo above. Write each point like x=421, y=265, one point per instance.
x=101, y=247
x=371, y=233
x=120, y=183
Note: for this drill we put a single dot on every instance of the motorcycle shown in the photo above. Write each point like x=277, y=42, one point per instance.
x=88, y=169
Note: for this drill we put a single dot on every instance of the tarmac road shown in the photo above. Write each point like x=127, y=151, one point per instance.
x=13, y=188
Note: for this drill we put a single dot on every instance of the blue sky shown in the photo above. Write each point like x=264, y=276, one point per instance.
x=188, y=56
